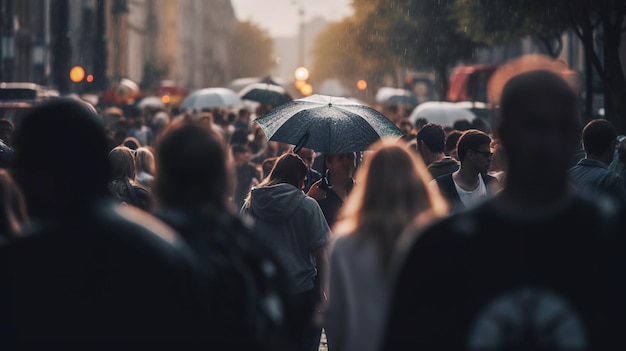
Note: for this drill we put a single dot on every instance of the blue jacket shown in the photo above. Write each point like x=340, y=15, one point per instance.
x=594, y=179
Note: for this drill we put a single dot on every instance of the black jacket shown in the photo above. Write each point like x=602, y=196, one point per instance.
x=108, y=274
x=448, y=190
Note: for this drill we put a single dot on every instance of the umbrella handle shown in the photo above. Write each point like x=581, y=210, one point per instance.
x=301, y=143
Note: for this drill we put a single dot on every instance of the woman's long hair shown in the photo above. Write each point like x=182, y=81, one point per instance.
x=122, y=162
x=391, y=190
x=144, y=161
x=289, y=168
x=13, y=211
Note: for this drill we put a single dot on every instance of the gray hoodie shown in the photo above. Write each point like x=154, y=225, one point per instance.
x=293, y=226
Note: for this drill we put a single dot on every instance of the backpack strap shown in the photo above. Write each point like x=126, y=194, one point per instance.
x=131, y=192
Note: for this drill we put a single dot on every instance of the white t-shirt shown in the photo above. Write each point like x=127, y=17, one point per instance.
x=472, y=197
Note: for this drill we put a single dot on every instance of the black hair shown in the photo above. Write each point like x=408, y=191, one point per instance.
x=462, y=125
x=193, y=168
x=598, y=136
x=433, y=136
x=471, y=140
x=64, y=141
x=451, y=140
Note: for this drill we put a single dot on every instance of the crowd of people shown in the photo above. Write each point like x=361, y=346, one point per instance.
x=194, y=229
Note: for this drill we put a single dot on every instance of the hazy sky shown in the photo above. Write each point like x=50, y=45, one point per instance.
x=280, y=17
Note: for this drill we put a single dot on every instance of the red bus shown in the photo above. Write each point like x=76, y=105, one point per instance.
x=469, y=83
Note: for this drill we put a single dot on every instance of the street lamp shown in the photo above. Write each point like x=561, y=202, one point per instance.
x=301, y=48
x=301, y=73
x=77, y=74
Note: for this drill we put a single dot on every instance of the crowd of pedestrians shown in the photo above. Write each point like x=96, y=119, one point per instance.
x=194, y=229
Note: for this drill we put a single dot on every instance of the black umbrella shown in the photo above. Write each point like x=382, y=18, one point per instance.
x=265, y=93
x=327, y=124
x=270, y=80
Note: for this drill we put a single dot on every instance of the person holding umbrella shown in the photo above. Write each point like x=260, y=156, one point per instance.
x=331, y=191
x=333, y=126
x=291, y=224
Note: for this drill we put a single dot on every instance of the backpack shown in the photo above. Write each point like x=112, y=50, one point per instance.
x=248, y=291
x=134, y=195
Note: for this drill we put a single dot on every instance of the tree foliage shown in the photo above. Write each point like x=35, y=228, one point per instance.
x=495, y=22
x=338, y=55
x=250, y=51
x=417, y=34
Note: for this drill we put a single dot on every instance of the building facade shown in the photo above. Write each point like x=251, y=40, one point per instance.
x=23, y=40
x=181, y=40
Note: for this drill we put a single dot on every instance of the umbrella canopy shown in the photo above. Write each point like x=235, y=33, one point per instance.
x=387, y=94
x=121, y=92
x=403, y=100
x=151, y=102
x=327, y=124
x=441, y=112
x=211, y=97
x=480, y=109
x=240, y=83
x=265, y=93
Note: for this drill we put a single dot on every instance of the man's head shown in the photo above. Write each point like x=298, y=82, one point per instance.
x=539, y=127
x=452, y=138
x=462, y=125
x=599, y=140
x=244, y=114
x=341, y=166
x=241, y=154
x=60, y=157
x=474, y=150
x=431, y=141
x=193, y=170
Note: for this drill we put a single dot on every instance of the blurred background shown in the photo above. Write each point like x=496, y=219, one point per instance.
x=427, y=49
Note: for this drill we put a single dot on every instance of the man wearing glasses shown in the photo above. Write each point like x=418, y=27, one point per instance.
x=470, y=184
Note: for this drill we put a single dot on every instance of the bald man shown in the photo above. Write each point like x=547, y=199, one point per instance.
x=532, y=268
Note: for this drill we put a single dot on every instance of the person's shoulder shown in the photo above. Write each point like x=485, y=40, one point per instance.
x=488, y=179
x=310, y=204
x=138, y=223
x=612, y=177
x=343, y=242
x=444, y=182
x=461, y=226
x=444, y=177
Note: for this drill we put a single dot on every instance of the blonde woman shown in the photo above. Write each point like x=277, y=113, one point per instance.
x=391, y=193
x=144, y=164
x=122, y=181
